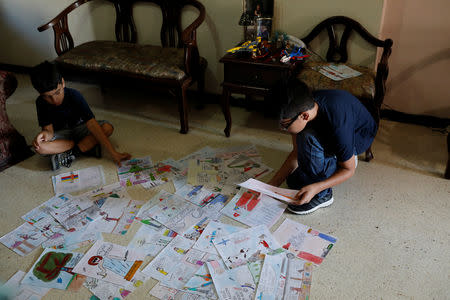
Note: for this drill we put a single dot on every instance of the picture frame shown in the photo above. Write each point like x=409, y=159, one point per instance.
x=252, y=10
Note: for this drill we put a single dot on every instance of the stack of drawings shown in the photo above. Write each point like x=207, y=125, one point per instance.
x=194, y=251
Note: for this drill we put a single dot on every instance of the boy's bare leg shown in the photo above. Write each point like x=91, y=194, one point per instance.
x=55, y=147
x=89, y=141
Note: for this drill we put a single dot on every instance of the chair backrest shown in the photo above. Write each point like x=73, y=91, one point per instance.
x=171, y=31
x=337, y=50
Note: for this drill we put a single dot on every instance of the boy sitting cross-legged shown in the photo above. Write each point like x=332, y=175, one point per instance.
x=69, y=127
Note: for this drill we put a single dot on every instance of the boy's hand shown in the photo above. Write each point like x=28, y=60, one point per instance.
x=118, y=157
x=43, y=136
x=305, y=194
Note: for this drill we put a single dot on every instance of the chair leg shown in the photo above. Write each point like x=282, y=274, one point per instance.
x=369, y=154
x=183, y=107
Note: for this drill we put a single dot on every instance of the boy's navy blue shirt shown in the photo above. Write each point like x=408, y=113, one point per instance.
x=72, y=112
x=343, y=123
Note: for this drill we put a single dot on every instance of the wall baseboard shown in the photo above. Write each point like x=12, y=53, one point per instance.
x=388, y=114
x=15, y=68
x=424, y=120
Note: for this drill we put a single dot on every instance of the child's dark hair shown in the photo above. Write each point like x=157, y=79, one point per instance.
x=45, y=77
x=298, y=99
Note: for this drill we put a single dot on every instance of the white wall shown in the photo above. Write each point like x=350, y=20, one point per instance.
x=23, y=45
x=418, y=82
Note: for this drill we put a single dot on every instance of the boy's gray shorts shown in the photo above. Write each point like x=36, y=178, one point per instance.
x=75, y=134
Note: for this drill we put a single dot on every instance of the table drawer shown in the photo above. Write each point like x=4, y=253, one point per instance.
x=258, y=76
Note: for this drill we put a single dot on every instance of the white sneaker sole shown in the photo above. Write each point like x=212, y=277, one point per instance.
x=305, y=212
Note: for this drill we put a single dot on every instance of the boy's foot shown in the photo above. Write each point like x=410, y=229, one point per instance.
x=313, y=205
x=96, y=152
x=62, y=159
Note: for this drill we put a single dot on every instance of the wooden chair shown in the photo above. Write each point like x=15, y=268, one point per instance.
x=177, y=64
x=369, y=87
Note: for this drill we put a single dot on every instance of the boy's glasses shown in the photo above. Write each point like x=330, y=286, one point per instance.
x=56, y=93
x=285, y=125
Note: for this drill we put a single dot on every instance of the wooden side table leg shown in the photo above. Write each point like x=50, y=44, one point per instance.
x=226, y=110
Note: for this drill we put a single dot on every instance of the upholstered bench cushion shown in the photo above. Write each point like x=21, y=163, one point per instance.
x=127, y=58
x=362, y=86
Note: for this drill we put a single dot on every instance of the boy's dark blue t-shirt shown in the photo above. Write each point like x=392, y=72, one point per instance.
x=343, y=123
x=72, y=112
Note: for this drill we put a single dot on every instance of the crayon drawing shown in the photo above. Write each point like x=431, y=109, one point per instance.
x=303, y=241
x=110, y=262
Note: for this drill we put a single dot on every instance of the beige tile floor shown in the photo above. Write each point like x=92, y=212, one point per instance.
x=391, y=218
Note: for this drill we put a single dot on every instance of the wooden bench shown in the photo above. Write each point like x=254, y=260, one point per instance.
x=175, y=65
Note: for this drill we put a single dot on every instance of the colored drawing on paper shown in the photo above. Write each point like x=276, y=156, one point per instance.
x=23, y=239
x=151, y=239
x=252, y=209
x=212, y=232
x=134, y=171
x=110, y=262
x=303, y=241
x=53, y=269
x=244, y=246
x=232, y=284
x=176, y=263
x=78, y=180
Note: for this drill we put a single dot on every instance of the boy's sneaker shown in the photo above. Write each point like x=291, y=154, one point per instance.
x=313, y=205
x=62, y=159
x=96, y=152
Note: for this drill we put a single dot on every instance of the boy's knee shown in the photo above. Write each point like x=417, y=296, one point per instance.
x=108, y=129
x=307, y=137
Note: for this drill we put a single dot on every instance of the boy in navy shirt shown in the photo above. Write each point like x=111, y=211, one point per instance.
x=69, y=127
x=329, y=128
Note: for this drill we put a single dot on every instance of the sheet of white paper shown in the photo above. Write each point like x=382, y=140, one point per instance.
x=204, y=152
x=201, y=283
x=271, y=274
x=74, y=206
x=285, y=195
x=152, y=238
x=298, y=279
x=41, y=273
x=232, y=284
x=303, y=241
x=78, y=180
x=23, y=239
x=173, y=212
x=204, y=171
x=166, y=293
x=105, y=290
x=110, y=262
x=246, y=245
x=134, y=171
x=213, y=231
x=252, y=208
x=162, y=172
x=128, y=217
x=176, y=263
x=24, y=291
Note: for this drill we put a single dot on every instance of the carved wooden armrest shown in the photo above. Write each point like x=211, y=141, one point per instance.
x=189, y=37
x=63, y=38
x=383, y=71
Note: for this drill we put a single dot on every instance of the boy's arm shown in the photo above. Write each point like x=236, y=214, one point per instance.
x=95, y=129
x=289, y=165
x=44, y=136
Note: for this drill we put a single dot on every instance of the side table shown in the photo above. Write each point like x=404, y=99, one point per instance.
x=250, y=77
